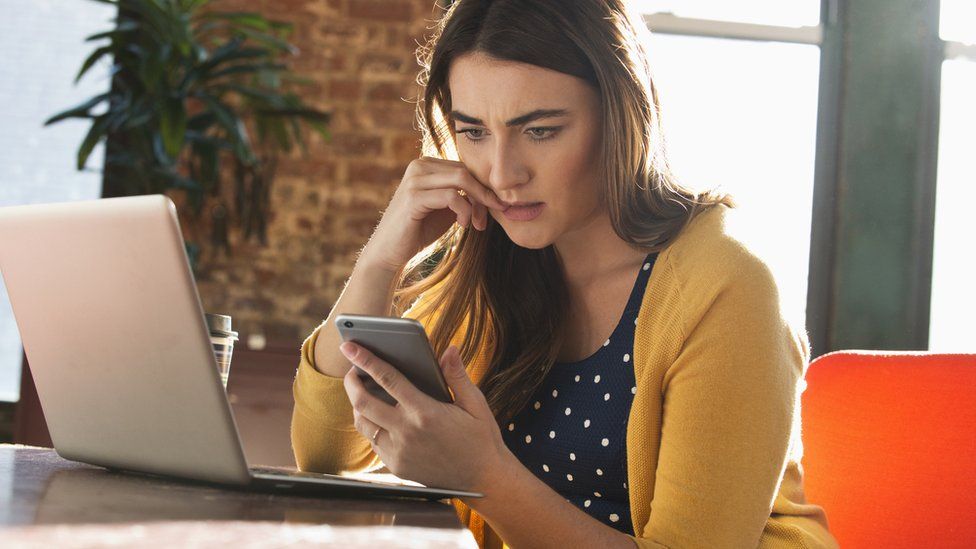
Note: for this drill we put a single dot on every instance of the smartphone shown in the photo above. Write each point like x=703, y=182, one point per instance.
x=401, y=342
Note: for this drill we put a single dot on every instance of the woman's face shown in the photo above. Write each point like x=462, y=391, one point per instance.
x=533, y=136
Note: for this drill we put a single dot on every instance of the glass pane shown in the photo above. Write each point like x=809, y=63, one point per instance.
x=43, y=45
x=958, y=21
x=743, y=115
x=953, y=323
x=796, y=13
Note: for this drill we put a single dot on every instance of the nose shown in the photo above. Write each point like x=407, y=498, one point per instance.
x=507, y=170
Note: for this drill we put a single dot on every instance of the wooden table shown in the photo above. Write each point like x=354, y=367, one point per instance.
x=46, y=501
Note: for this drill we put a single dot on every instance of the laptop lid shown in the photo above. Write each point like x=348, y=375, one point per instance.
x=115, y=335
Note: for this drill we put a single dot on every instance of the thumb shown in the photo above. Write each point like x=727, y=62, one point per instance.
x=457, y=378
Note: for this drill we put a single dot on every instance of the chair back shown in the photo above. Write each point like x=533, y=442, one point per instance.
x=890, y=447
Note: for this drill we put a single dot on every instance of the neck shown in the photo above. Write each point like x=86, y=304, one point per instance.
x=593, y=250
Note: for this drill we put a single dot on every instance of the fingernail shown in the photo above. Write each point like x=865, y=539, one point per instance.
x=349, y=349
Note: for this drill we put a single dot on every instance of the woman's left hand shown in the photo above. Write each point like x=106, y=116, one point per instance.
x=456, y=445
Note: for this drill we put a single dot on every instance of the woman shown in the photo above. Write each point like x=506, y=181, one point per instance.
x=613, y=346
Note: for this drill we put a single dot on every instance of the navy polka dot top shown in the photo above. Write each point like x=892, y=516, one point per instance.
x=572, y=432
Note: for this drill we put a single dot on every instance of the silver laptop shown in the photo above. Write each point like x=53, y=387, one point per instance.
x=117, y=343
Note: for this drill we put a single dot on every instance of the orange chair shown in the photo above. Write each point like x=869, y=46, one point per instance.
x=890, y=447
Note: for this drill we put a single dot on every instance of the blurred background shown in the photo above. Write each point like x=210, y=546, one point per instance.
x=845, y=125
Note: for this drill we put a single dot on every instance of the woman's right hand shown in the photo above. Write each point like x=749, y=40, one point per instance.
x=424, y=206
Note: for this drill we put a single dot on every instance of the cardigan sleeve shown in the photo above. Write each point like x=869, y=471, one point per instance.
x=323, y=436
x=728, y=407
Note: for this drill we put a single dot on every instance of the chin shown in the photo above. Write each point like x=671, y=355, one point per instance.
x=531, y=238
x=533, y=245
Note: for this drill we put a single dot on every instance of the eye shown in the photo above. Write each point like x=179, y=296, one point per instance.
x=542, y=134
x=472, y=134
x=475, y=135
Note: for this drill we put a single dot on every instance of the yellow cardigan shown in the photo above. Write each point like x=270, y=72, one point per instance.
x=713, y=436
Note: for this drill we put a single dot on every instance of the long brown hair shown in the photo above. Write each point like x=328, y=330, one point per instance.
x=514, y=301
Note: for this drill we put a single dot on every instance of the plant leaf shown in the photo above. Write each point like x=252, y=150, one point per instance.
x=234, y=128
x=245, y=69
x=172, y=126
x=79, y=111
x=95, y=134
x=120, y=29
x=270, y=41
x=91, y=60
x=242, y=18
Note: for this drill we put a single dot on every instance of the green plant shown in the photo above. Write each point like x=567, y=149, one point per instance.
x=195, y=91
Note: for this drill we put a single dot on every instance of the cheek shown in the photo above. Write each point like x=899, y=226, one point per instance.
x=472, y=159
x=580, y=185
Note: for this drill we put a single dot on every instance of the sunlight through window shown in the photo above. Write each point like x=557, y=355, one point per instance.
x=742, y=115
x=953, y=325
x=958, y=21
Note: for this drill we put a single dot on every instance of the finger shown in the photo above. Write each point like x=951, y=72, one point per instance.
x=433, y=200
x=482, y=193
x=368, y=406
x=476, y=213
x=479, y=216
x=386, y=376
x=462, y=179
x=365, y=427
x=461, y=205
x=467, y=395
x=447, y=198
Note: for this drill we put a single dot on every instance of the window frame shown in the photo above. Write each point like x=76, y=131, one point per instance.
x=668, y=23
x=959, y=50
x=835, y=272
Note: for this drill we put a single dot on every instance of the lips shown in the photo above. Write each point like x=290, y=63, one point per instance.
x=524, y=211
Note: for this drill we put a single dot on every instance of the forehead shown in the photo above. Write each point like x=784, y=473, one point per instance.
x=483, y=86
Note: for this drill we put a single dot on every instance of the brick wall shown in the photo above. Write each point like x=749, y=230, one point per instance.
x=360, y=54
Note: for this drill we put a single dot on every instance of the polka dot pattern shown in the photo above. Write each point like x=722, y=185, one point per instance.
x=578, y=419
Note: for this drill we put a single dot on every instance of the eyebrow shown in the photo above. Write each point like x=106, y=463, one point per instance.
x=518, y=120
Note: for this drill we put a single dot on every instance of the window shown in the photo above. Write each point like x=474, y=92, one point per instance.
x=739, y=86
x=957, y=21
x=43, y=51
x=953, y=323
